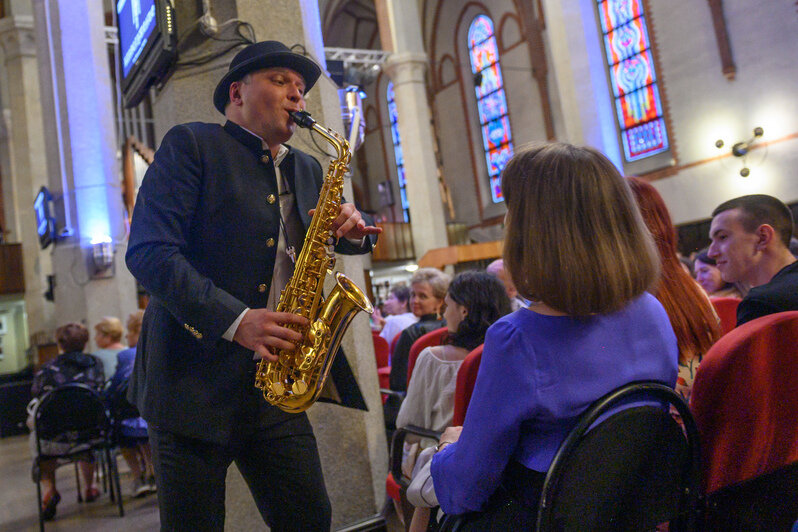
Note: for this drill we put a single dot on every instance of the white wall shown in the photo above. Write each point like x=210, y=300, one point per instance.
x=706, y=107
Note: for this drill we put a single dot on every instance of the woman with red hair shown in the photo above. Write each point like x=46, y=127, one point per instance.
x=693, y=319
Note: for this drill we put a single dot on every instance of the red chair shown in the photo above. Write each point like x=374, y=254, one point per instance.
x=726, y=307
x=381, y=349
x=430, y=339
x=466, y=377
x=393, y=344
x=745, y=403
x=382, y=355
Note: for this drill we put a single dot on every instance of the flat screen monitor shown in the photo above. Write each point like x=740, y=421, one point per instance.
x=147, y=45
x=45, y=222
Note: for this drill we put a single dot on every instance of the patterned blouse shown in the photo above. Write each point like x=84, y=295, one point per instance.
x=66, y=369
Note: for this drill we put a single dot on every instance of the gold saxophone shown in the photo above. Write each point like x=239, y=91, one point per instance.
x=295, y=380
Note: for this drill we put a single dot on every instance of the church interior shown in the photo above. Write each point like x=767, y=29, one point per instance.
x=696, y=98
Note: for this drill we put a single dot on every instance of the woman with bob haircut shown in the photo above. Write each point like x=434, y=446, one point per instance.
x=693, y=319
x=576, y=246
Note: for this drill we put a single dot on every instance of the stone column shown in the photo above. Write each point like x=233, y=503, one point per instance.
x=406, y=68
x=26, y=170
x=351, y=442
x=83, y=165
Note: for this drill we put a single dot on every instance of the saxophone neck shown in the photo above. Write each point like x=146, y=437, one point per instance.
x=303, y=119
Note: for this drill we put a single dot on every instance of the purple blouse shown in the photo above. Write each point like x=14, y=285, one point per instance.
x=538, y=374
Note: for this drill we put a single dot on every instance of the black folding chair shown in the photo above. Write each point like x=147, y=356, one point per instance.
x=75, y=415
x=632, y=469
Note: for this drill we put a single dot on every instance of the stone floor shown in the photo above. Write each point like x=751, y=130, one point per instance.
x=18, y=500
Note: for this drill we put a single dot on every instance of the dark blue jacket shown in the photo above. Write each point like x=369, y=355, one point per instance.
x=200, y=245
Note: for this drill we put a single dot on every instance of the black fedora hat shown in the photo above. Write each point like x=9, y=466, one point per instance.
x=264, y=55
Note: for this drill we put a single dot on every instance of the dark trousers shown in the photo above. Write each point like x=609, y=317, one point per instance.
x=283, y=473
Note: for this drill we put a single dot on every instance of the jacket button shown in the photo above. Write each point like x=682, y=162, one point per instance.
x=262, y=288
x=270, y=198
x=270, y=243
x=264, y=159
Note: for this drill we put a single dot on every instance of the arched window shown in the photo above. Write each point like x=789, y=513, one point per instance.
x=491, y=100
x=633, y=78
x=397, y=150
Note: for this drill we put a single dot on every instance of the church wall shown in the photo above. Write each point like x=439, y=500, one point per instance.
x=457, y=124
x=706, y=107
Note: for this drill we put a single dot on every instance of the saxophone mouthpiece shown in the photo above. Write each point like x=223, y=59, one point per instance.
x=302, y=119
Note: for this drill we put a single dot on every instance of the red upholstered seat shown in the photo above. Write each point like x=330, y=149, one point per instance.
x=428, y=340
x=381, y=349
x=393, y=345
x=726, y=307
x=745, y=401
x=466, y=377
x=393, y=488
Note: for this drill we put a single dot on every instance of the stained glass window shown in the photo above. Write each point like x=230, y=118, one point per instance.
x=633, y=78
x=491, y=101
x=397, y=151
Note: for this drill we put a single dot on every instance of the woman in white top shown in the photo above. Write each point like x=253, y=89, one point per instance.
x=473, y=302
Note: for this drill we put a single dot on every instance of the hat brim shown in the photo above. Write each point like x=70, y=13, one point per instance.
x=306, y=68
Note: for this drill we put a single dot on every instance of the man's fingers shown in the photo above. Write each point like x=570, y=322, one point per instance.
x=372, y=230
x=287, y=317
x=345, y=227
x=283, y=333
x=279, y=343
x=262, y=352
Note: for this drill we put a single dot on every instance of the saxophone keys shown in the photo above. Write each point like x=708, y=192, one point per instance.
x=277, y=388
x=299, y=387
x=305, y=358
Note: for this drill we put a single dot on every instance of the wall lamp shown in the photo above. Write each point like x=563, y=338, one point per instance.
x=741, y=149
x=101, y=257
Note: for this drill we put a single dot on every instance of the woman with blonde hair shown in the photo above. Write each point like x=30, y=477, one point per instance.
x=693, y=319
x=576, y=246
x=428, y=288
x=108, y=337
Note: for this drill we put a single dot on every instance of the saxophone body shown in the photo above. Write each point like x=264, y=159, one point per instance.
x=295, y=380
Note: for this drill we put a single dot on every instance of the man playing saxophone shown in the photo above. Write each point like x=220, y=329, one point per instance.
x=220, y=214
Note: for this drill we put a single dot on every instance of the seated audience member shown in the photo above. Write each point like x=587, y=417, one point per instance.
x=590, y=328
x=750, y=244
x=108, y=336
x=427, y=290
x=708, y=276
x=397, y=312
x=132, y=432
x=497, y=268
x=688, y=307
x=72, y=365
x=475, y=300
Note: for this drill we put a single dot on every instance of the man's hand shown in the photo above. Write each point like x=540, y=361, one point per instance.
x=262, y=330
x=350, y=224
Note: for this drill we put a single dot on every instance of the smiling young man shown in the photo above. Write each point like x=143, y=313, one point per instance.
x=750, y=244
x=217, y=215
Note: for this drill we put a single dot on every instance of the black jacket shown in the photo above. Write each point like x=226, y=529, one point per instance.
x=203, y=244
x=779, y=295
